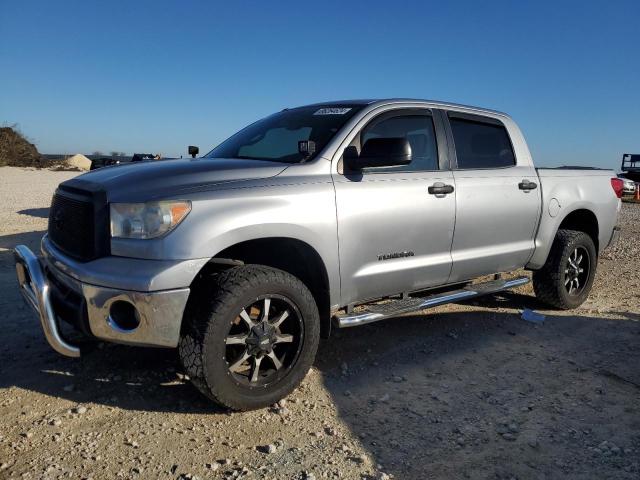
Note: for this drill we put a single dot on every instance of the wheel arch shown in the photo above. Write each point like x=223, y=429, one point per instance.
x=289, y=254
x=582, y=220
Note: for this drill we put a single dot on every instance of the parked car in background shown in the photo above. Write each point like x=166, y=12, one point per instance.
x=103, y=162
x=628, y=186
x=137, y=157
x=325, y=216
x=141, y=157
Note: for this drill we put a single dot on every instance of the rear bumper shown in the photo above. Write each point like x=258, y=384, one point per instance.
x=56, y=296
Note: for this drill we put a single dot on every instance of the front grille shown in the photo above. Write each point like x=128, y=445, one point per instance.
x=79, y=220
x=71, y=226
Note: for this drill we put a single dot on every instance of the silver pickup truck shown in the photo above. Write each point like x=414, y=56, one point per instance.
x=329, y=215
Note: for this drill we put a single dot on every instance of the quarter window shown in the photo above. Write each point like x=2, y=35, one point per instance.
x=419, y=132
x=481, y=145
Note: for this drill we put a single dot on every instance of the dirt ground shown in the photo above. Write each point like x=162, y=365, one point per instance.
x=466, y=391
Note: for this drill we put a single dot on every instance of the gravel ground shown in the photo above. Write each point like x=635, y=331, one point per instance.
x=467, y=391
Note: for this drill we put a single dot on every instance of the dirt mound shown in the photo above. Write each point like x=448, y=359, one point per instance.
x=79, y=162
x=17, y=151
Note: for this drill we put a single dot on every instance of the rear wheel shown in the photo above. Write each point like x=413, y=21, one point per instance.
x=566, y=278
x=252, y=338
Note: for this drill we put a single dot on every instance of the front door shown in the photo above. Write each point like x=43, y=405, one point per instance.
x=394, y=236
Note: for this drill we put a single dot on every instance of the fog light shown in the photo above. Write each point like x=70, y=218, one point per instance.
x=123, y=316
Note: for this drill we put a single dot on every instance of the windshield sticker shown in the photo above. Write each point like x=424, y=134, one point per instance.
x=332, y=111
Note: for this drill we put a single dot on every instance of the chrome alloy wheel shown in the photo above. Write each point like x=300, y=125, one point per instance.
x=264, y=341
x=576, y=272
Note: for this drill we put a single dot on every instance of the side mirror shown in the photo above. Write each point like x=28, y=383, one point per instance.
x=193, y=151
x=378, y=152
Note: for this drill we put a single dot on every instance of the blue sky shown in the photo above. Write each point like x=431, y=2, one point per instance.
x=156, y=76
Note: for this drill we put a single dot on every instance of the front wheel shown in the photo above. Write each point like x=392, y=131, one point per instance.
x=566, y=278
x=252, y=338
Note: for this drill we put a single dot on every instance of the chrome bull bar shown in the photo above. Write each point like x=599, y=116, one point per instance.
x=35, y=290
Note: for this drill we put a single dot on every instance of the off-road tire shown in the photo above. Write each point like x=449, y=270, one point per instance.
x=211, y=308
x=549, y=281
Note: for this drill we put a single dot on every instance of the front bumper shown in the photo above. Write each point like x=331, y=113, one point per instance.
x=56, y=296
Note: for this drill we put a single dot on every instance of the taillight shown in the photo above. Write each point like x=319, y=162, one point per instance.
x=618, y=186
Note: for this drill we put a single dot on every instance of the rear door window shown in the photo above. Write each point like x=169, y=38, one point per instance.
x=481, y=145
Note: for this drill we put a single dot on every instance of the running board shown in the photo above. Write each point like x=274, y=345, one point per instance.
x=375, y=312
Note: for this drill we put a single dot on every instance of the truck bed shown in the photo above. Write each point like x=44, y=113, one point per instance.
x=577, y=171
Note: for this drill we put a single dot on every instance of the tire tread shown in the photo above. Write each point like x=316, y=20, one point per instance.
x=548, y=281
x=216, y=295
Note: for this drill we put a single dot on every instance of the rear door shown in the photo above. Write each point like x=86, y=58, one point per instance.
x=497, y=198
x=394, y=235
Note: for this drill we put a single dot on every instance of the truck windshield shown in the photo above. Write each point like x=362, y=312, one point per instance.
x=276, y=137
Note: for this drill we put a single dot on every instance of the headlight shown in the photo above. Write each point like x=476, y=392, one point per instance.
x=147, y=220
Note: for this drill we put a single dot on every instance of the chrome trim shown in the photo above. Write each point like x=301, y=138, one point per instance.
x=160, y=314
x=35, y=290
x=354, y=320
x=516, y=282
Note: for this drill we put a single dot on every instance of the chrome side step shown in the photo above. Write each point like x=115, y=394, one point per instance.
x=375, y=312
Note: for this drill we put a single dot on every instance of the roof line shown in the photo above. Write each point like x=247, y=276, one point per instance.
x=383, y=101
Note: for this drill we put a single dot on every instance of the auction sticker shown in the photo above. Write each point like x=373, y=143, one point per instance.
x=332, y=111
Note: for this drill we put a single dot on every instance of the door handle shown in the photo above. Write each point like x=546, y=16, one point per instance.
x=526, y=185
x=440, y=188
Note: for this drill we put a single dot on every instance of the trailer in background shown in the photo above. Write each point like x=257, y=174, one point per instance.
x=631, y=166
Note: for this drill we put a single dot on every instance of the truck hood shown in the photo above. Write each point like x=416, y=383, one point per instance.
x=143, y=181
